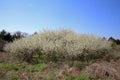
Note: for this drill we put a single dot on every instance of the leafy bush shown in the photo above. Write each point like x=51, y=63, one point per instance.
x=57, y=44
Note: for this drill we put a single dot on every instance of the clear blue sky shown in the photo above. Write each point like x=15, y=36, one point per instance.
x=99, y=17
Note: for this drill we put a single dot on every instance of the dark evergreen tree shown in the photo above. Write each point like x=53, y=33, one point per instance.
x=8, y=37
x=118, y=41
x=2, y=34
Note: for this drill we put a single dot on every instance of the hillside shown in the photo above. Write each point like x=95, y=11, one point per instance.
x=60, y=55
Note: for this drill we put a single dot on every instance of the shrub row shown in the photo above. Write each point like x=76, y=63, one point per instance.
x=62, y=43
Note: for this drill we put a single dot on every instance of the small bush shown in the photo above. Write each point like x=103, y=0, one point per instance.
x=59, y=44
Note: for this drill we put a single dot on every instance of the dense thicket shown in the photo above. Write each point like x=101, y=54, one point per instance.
x=60, y=43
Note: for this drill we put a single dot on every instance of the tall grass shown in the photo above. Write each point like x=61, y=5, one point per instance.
x=60, y=43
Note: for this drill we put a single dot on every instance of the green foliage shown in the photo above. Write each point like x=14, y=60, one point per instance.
x=36, y=58
x=83, y=76
x=11, y=78
x=37, y=67
x=9, y=67
x=69, y=78
x=52, y=78
x=58, y=45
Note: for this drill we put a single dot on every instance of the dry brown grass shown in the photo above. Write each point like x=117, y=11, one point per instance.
x=103, y=68
x=2, y=72
x=26, y=75
x=64, y=70
x=114, y=54
x=4, y=57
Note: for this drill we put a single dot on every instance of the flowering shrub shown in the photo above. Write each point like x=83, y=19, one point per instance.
x=60, y=43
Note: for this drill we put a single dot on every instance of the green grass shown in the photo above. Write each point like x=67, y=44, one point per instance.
x=35, y=68
x=11, y=78
x=29, y=67
x=83, y=76
x=41, y=70
x=70, y=78
x=9, y=67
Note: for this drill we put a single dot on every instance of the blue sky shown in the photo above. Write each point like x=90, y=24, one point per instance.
x=99, y=17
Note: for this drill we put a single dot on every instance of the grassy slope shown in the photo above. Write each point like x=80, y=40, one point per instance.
x=48, y=71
